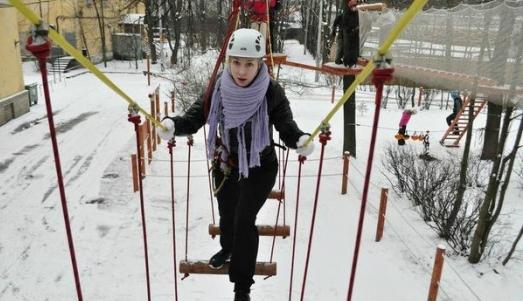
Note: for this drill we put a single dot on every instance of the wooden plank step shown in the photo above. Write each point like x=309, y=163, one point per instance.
x=202, y=267
x=263, y=230
x=276, y=195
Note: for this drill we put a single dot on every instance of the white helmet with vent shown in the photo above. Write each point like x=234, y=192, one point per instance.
x=247, y=43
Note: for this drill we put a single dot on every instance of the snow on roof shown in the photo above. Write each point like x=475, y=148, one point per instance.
x=132, y=19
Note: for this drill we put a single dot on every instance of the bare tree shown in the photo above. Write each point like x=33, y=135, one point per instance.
x=513, y=248
x=149, y=8
x=101, y=26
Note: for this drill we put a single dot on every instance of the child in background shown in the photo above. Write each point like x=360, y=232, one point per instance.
x=405, y=118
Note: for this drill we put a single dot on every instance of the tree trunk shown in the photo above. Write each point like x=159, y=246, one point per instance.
x=204, y=33
x=220, y=28
x=490, y=143
x=349, y=119
x=485, y=221
x=513, y=248
x=150, y=34
x=462, y=187
x=101, y=26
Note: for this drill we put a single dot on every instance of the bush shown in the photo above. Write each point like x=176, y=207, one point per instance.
x=432, y=187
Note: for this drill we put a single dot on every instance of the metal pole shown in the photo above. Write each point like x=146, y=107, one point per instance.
x=379, y=78
x=41, y=49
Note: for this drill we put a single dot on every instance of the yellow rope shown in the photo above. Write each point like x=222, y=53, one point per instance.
x=58, y=39
x=407, y=17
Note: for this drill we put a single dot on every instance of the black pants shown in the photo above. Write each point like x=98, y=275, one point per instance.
x=450, y=118
x=351, y=47
x=239, y=201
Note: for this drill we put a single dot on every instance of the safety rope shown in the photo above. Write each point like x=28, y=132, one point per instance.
x=233, y=21
x=301, y=160
x=268, y=33
x=280, y=201
x=135, y=119
x=190, y=143
x=171, y=144
x=324, y=137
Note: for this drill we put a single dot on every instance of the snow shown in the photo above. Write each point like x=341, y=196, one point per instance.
x=133, y=19
x=96, y=141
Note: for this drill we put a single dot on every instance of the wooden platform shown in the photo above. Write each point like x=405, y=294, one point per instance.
x=263, y=230
x=202, y=267
x=277, y=58
x=330, y=68
x=341, y=70
x=276, y=195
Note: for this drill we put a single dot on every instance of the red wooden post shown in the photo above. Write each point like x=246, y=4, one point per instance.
x=436, y=273
x=153, y=128
x=142, y=128
x=333, y=93
x=381, y=215
x=149, y=142
x=345, y=176
x=134, y=168
x=157, y=116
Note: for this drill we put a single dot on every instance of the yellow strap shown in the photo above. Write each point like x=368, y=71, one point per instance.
x=58, y=39
x=407, y=17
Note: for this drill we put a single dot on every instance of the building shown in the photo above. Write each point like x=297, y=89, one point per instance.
x=14, y=99
x=81, y=22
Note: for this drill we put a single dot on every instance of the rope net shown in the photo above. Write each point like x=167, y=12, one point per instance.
x=468, y=47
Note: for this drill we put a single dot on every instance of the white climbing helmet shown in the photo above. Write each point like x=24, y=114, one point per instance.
x=246, y=42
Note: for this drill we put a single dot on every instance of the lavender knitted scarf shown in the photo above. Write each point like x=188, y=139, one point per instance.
x=232, y=107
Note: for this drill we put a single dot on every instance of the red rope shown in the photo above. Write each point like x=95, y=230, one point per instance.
x=190, y=143
x=231, y=26
x=324, y=137
x=380, y=76
x=283, y=185
x=135, y=119
x=301, y=160
x=279, y=207
x=209, y=175
x=171, y=144
x=41, y=52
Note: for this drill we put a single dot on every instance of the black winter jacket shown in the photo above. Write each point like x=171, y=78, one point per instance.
x=280, y=116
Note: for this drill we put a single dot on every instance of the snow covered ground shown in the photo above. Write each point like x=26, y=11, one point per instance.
x=96, y=141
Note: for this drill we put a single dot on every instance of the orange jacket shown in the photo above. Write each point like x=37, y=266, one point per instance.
x=258, y=9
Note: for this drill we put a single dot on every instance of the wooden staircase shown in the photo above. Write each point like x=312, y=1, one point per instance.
x=459, y=125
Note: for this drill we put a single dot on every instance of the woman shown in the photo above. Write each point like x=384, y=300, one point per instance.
x=246, y=104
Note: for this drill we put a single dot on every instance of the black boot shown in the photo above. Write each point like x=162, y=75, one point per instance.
x=242, y=296
x=219, y=259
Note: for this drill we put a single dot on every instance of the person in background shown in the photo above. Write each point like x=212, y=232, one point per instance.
x=246, y=104
x=258, y=14
x=456, y=107
x=346, y=26
x=402, y=131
